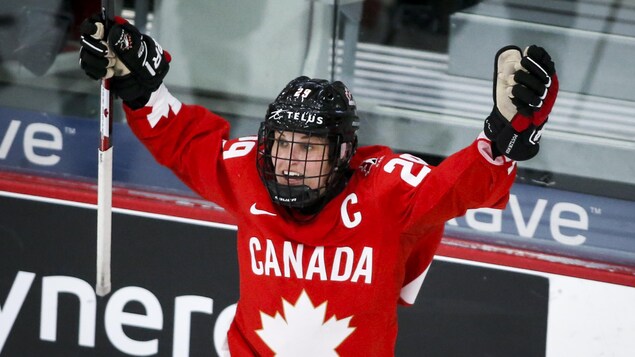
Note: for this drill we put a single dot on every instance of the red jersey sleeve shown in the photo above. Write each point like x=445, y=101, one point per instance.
x=471, y=178
x=188, y=139
x=418, y=196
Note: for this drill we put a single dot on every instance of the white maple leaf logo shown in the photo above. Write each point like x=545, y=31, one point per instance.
x=303, y=331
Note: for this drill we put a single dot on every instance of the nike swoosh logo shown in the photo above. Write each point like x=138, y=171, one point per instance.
x=256, y=212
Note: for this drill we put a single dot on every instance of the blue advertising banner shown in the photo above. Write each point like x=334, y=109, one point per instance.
x=540, y=218
x=67, y=146
x=556, y=221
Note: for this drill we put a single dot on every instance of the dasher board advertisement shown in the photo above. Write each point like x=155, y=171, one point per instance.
x=175, y=282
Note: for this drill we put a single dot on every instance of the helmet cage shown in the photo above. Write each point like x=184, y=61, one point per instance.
x=287, y=176
x=307, y=111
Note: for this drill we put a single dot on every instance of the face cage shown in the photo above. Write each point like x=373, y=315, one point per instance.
x=291, y=190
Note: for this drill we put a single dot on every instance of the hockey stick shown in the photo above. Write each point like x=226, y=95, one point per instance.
x=104, y=175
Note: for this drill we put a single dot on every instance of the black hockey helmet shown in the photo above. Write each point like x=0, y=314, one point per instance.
x=315, y=108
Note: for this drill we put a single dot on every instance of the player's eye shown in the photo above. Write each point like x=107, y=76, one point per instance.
x=282, y=143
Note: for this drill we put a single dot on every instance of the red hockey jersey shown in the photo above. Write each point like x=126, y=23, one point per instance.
x=329, y=286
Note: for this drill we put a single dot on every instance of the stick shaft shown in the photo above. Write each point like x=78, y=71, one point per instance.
x=104, y=177
x=104, y=222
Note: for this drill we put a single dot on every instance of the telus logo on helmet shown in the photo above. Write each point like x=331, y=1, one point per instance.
x=306, y=117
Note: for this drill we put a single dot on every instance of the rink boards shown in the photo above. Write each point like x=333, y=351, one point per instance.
x=174, y=276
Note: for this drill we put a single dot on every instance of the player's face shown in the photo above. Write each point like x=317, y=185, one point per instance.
x=300, y=159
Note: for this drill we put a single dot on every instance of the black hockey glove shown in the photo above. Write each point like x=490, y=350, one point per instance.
x=94, y=57
x=136, y=62
x=525, y=90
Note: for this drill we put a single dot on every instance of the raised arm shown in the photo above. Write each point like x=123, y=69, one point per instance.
x=188, y=139
x=525, y=90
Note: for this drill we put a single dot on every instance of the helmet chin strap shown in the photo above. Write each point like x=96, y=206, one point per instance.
x=300, y=196
x=303, y=202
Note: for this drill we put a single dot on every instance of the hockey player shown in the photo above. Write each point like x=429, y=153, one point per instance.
x=331, y=237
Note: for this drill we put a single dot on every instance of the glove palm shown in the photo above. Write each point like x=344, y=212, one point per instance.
x=525, y=90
